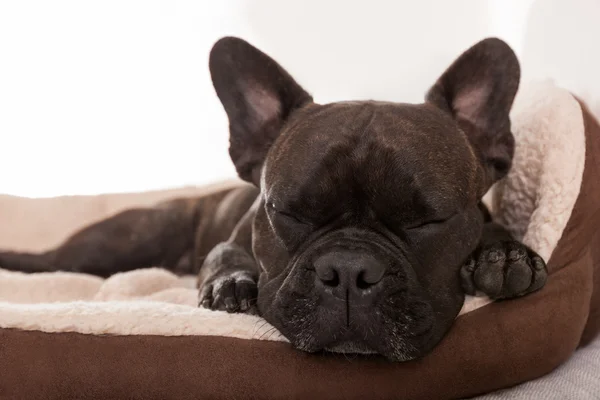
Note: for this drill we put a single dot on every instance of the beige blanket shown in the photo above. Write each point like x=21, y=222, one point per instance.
x=534, y=201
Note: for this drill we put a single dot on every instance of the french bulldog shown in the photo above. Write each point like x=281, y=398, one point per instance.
x=369, y=227
x=361, y=226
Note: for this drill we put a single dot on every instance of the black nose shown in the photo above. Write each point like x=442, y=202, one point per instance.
x=347, y=270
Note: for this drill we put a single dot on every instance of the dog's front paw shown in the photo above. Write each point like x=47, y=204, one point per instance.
x=504, y=270
x=233, y=291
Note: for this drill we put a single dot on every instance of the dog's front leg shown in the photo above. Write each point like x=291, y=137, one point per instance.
x=502, y=267
x=229, y=274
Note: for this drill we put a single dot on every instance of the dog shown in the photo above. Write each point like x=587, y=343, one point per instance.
x=361, y=225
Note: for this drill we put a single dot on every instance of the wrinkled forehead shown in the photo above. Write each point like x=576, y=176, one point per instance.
x=371, y=148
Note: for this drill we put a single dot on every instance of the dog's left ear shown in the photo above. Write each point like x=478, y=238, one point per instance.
x=478, y=89
x=258, y=95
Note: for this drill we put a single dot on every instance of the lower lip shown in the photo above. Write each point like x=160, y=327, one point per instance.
x=349, y=347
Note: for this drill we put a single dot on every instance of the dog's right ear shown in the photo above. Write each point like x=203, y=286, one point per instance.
x=258, y=96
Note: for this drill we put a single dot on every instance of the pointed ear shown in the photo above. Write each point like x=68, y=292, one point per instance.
x=258, y=96
x=478, y=90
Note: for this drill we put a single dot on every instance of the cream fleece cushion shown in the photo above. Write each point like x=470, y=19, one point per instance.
x=534, y=201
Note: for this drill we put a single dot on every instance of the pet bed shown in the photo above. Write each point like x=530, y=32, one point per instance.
x=139, y=335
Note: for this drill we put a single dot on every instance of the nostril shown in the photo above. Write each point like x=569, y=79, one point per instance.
x=369, y=275
x=333, y=281
x=361, y=282
x=327, y=273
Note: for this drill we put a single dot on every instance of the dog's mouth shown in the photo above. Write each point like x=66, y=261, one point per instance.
x=401, y=335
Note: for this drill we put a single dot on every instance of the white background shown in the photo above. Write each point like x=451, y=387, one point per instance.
x=115, y=95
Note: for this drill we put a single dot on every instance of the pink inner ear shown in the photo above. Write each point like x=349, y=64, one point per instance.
x=470, y=101
x=264, y=105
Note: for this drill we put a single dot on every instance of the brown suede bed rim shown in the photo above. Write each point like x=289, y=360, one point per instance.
x=37, y=365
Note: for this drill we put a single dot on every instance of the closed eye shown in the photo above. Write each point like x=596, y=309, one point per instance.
x=430, y=223
x=290, y=216
x=287, y=215
x=426, y=223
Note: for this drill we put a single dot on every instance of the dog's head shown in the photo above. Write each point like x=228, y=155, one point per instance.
x=368, y=209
